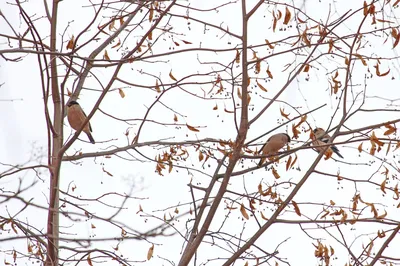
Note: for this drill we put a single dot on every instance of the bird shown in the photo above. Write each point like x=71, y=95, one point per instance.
x=319, y=138
x=76, y=117
x=273, y=145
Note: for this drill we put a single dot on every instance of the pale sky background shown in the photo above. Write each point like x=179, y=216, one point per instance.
x=23, y=127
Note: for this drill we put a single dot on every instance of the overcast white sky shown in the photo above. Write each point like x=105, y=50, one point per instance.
x=23, y=127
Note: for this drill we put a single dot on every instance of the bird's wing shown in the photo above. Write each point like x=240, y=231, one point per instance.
x=90, y=126
x=262, y=148
x=333, y=147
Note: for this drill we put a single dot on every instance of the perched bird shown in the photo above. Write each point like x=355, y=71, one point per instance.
x=273, y=145
x=320, y=138
x=76, y=117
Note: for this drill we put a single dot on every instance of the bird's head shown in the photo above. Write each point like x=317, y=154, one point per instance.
x=72, y=103
x=288, y=137
x=319, y=132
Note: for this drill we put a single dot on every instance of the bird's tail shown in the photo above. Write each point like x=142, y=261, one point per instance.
x=90, y=138
x=336, y=150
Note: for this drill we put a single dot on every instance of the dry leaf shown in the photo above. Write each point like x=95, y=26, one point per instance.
x=362, y=59
x=289, y=161
x=172, y=76
x=365, y=9
x=283, y=114
x=239, y=93
x=274, y=21
x=150, y=252
x=108, y=173
x=151, y=13
x=275, y=173
x=360, y=147
x=296, y=208
x=192, y=128
x=71, y=43
x=288, y=15
x=263, y=216
x=175, y=118
x=261, y=86
x=391, y=130
x=121, y=93
x=378, y=73
x=157, y=87
x=244, y=212
x=116, y=45
x=105, y=56
x=201, y=156
x=237, y=58
x=269, y=73
x=89, y=260
x=383, y=185
x=269, y=44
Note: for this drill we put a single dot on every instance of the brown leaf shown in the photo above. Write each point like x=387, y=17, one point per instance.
x=172, y=76
x=391, y=130
x=289, y=161
x=244, y=212
x=175, y=118
x=396, y=41
x=186, y=42
x=261, y=86
x=360, y=147
x=121, y=93
x=306, y=68
x=383, y=185
x=192, y=128
x=201, y=156
x=215, y=107
x=374, y=139
x=151, y=13
x=283, y=114
x=269, y=73
x=362, y=59
x=294, y=161
x=157, y=87
x=89, y=260
x=71, y=43
x=330, y=46
x=108, y=173
x=296, y=208
x=288, y=15
x=270, y=46
x=295, y=131
x=365, y=9
x=105, y=56
x=371, y=9
x=150, y=252
x=111, y=26
x=275, y=173
x=378, y=73
x=237, y=58
x=239, y=93
x=258, y=67
x=274, y=22
x=263, y=216
x=396, y=3
x=116, y=45
x=305, y=39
